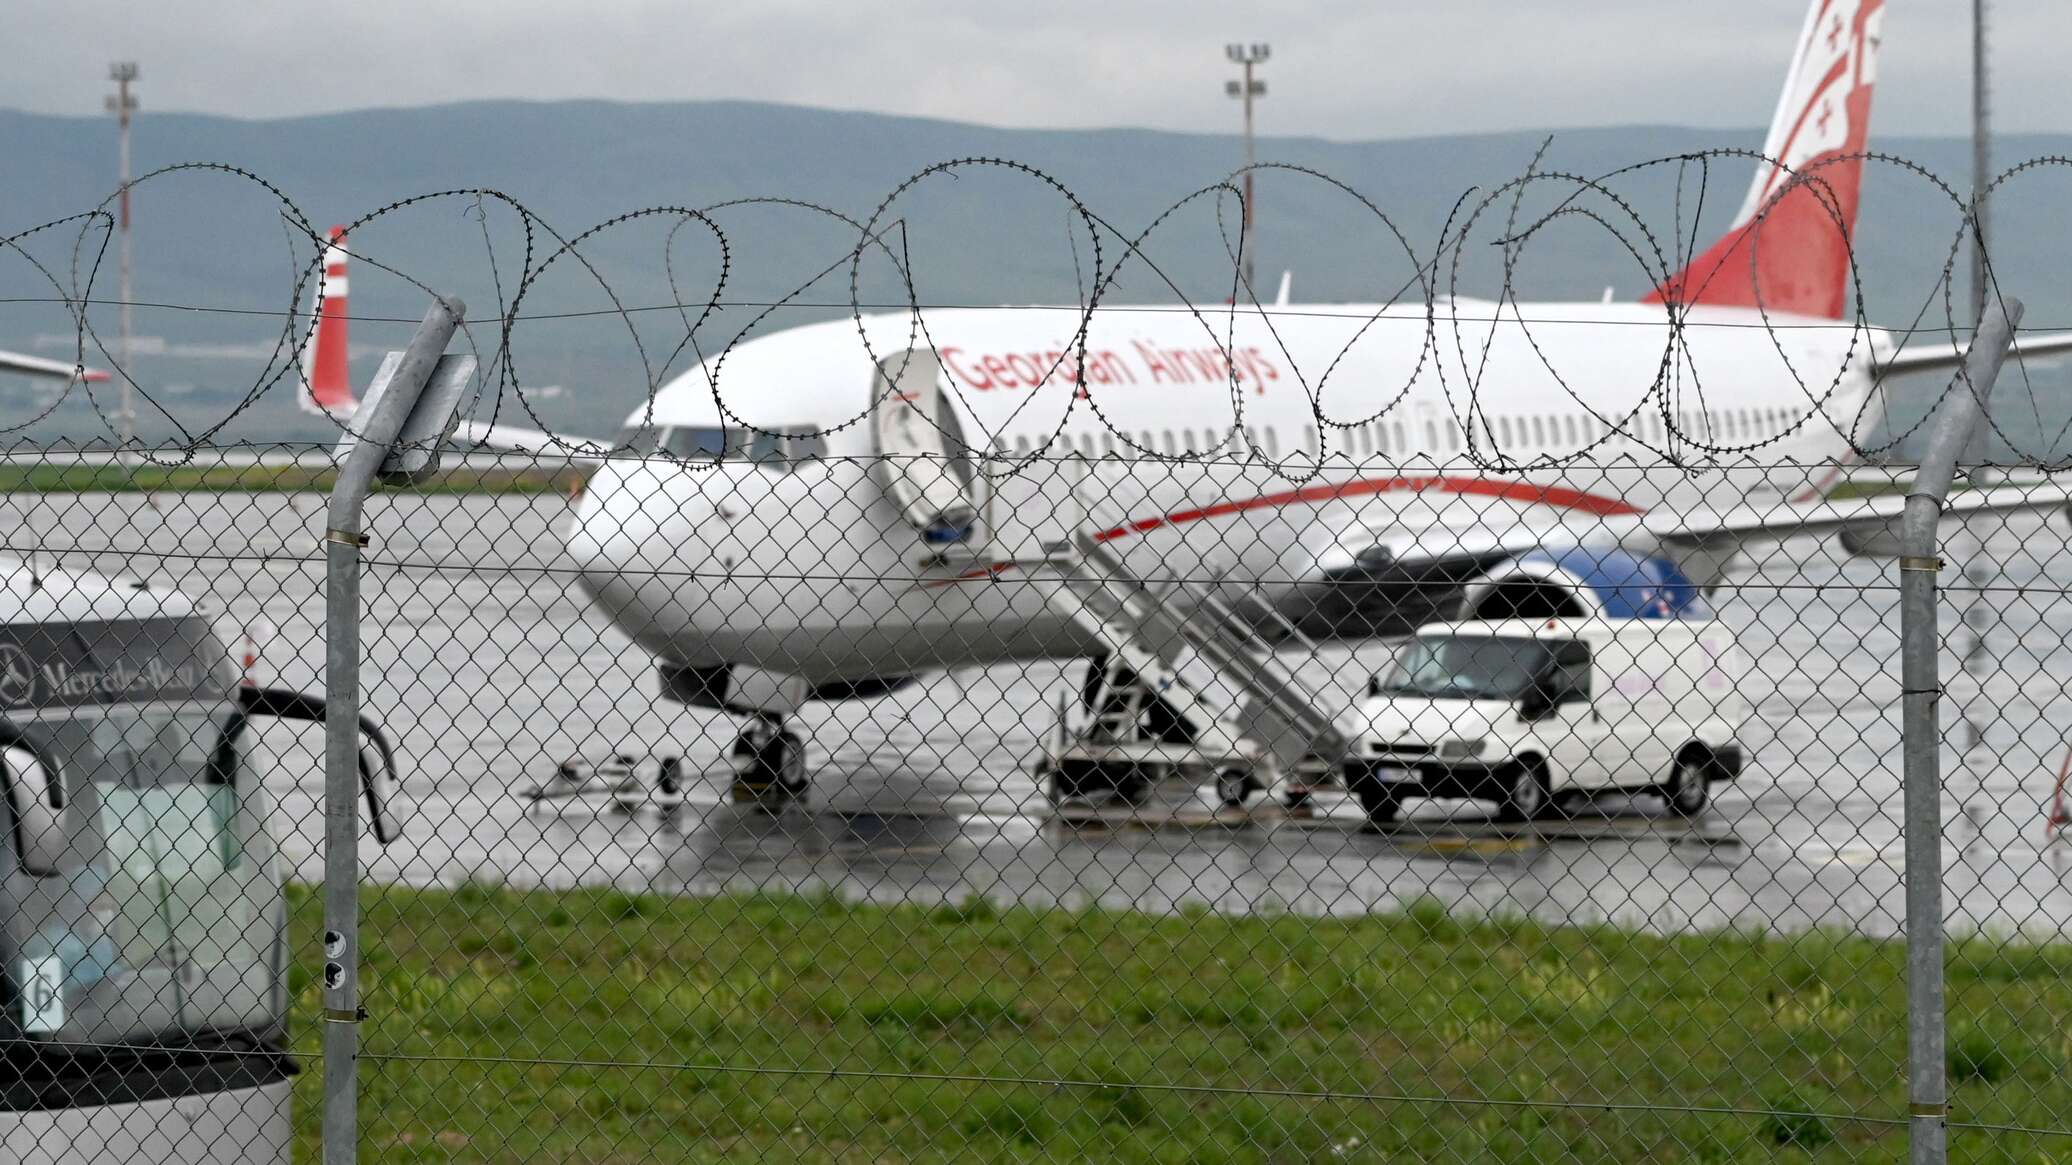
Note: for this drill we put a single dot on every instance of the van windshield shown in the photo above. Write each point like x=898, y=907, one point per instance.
x=1467, y=667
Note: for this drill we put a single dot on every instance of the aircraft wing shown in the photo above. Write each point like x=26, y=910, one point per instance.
x=504, y=438
x=55, y=369
x=1946, y=357
x=1711, y=529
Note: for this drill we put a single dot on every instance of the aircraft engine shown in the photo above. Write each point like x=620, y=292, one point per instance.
x=1611, y=582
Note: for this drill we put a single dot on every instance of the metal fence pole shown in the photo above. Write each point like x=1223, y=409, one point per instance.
x=1920, y=687
x=378, y=429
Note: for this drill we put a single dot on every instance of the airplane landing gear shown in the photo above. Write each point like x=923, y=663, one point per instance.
x=769, y=763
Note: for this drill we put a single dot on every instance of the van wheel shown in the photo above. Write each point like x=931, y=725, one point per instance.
x=1686, y=792
x=1570, y=804
x=1527, y=793
x=1377, y=800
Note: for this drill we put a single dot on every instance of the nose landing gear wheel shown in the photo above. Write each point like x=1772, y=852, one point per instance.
x=1234, y=786
x=1088, y=784
x=769, y=765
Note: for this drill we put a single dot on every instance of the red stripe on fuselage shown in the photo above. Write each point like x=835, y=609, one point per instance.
x=1510, y=491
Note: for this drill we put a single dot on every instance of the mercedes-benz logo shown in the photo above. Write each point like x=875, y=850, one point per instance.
x=17, y=676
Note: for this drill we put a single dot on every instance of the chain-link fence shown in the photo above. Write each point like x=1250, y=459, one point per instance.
x=1437, y=729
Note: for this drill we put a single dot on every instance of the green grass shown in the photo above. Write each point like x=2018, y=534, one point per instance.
x=603, y=1026
x=259, y=479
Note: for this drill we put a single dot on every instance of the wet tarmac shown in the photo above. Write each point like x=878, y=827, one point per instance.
x=488, y=668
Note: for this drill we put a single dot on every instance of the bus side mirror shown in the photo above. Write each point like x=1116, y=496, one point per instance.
x=378, y=781
x=377, y=760
x=36, y=808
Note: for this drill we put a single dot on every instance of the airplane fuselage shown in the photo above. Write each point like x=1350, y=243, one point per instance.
x=763, y=532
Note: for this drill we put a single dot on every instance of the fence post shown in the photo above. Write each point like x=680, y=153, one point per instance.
x=377, y=429
x=1920, y=694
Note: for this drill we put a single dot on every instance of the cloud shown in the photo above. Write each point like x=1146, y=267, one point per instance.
x=1341, y=68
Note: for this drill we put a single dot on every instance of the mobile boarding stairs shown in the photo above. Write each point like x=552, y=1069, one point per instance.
x=1183, y=684
x=1188, y=686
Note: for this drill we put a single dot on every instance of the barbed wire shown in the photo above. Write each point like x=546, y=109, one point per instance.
x=1841, y=385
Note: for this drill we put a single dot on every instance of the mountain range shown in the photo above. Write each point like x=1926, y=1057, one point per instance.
x=230, y=240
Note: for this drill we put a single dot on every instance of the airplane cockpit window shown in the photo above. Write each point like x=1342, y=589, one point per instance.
x=639, y=440
x=704, y=442
x=767, y=449
x=777, y=450
x=813, y=446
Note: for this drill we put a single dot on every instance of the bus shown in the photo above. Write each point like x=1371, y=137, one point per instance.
x=143, y=1016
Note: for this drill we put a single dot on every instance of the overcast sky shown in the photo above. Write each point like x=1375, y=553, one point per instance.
x=1341, y=68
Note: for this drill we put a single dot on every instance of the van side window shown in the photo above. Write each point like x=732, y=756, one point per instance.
x=1571, y=671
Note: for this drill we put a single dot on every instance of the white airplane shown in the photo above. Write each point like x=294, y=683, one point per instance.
x=42, y=368
x=326, y=383
x=770, y=550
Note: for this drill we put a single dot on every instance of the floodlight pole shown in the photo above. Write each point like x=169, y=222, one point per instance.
x=1981, y=160
x=1976, y=713
x=122, y=103
x=1247, y=56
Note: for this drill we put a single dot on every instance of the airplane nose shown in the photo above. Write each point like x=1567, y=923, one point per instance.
x=628, y=557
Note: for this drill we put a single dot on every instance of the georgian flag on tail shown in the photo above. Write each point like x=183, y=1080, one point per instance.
x=327, y=385
x=1787, y=251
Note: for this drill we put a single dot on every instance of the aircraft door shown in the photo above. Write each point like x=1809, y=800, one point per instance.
x=1427, y=435
x=927, y=465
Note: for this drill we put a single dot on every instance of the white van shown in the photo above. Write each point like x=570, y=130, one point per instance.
x=1523, y=711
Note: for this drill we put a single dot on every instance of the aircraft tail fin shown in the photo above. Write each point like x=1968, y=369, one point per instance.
x=1788, y=250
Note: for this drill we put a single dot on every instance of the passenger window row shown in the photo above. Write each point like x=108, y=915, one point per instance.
x=1393, y=436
